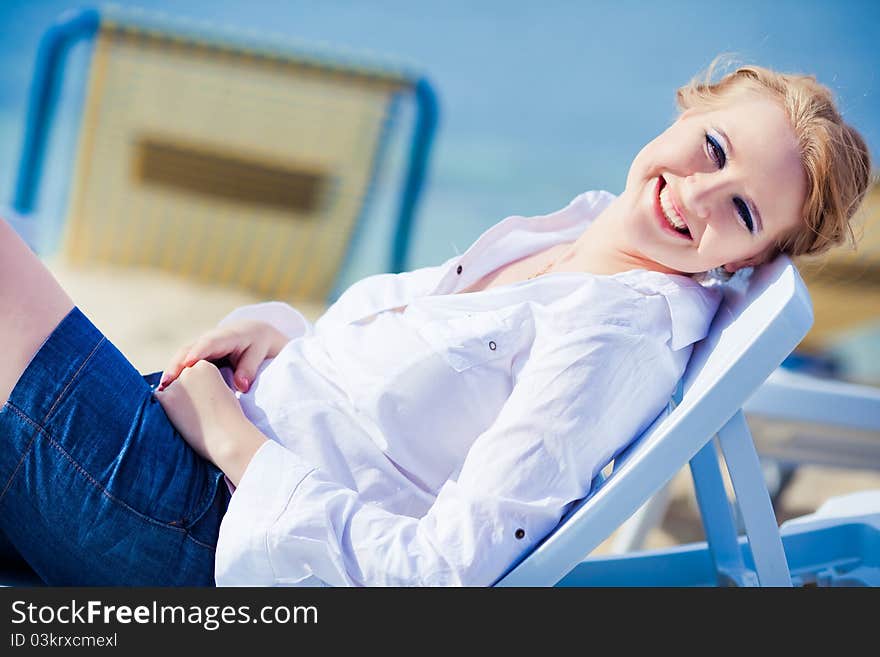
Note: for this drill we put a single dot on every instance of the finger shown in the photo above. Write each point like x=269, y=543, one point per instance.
x=246, y=368
x=174, y=367
x=211, y=345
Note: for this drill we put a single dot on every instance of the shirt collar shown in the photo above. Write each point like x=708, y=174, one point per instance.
x=504, y=241
x=692, y=306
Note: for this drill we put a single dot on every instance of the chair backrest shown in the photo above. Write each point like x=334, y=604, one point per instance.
x=757, y=325
x=222, y=158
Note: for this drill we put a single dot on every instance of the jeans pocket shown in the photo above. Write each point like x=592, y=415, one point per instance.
x=203, y=525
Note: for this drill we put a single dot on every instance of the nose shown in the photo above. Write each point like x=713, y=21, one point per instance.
x=703, y=194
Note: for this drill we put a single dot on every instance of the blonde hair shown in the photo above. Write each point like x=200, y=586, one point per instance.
x=834, y=155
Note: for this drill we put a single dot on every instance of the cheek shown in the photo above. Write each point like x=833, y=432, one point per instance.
x=722, y=248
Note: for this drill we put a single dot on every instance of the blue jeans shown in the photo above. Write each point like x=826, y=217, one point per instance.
x=96, y=485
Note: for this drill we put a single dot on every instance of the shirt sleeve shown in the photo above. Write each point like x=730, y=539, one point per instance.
x=279, y=314
x=575, y=405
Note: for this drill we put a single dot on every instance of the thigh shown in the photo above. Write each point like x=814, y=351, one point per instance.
x=96, y=485
x=32, y=301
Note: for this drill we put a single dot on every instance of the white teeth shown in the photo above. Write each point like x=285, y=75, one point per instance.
x=669, y=211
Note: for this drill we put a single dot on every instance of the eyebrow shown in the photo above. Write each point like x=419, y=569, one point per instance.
x=754, y=208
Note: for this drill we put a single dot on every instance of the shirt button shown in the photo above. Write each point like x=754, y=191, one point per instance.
x=520, y=533
x=458, y=271
x=492, y=345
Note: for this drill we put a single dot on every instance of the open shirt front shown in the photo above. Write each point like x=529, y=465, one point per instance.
x=434, y=446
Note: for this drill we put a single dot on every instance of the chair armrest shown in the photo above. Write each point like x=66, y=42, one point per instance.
x=789, y=395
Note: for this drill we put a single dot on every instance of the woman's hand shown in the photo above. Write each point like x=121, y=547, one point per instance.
x=207, y=414
x=245, y=344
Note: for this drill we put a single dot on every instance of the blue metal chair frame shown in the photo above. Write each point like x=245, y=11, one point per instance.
x=838, y=425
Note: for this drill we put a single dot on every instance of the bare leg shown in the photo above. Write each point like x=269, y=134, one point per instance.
x=32, y=304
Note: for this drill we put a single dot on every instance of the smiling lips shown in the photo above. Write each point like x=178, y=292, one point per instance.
x=669, y=217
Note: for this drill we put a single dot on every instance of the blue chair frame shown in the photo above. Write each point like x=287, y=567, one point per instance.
x=74, y=26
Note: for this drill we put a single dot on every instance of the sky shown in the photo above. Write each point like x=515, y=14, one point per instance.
x=538, y=101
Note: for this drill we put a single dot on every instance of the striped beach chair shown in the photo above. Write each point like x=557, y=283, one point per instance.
x=220, y=158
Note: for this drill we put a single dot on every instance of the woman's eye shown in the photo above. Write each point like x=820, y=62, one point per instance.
x=718, y=155
x=743, y=210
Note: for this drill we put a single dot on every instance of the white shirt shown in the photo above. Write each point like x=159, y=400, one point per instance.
x=436, y=445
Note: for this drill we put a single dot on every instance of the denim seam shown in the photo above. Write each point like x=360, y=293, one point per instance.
x=95, y=482
x=71, y=380
x=48, y=413
x=24, y=452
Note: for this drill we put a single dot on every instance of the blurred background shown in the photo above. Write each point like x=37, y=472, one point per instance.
x=536, y=103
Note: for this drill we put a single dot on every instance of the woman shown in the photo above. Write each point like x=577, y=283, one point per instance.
x=432, y=425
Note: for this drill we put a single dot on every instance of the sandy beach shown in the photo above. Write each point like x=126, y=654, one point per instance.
x=149, y=314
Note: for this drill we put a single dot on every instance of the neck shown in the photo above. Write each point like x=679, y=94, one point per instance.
x=602, y=247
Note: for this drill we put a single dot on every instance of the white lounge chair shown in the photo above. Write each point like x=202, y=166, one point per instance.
x=756, y=327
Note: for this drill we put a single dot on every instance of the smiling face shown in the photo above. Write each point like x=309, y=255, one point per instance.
x=733, y=176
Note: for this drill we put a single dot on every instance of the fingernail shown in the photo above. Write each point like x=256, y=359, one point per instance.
x=244, y=383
